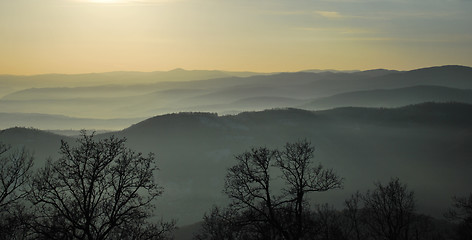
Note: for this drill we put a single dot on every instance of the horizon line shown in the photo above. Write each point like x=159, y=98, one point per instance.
x=234, y=71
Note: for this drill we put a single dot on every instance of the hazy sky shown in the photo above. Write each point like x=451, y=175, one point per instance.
x=77, y=36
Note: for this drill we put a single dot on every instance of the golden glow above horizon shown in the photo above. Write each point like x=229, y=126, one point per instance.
x=103, y=1
x=78, y=36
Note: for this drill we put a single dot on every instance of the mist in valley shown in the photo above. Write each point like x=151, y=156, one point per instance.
x=368, y=126
x=235, y=120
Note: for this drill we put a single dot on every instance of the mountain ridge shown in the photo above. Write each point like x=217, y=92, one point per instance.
x=395, y=97
x=362, y=144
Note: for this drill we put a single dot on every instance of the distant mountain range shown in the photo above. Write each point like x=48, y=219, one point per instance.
x=134, y=95
x=58, y=122
x=368, y=125
x=427, y=145
x=392, y=97
x=11, y=83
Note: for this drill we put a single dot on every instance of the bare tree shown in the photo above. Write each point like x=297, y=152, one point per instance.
x=252, y=188
x=353, y=215
x=389, y=211
x=248, y=184
x=15, y=172
x=94, y=190
x=301, y=177
x=461, y=213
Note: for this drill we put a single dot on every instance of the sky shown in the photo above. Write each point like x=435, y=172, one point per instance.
x=82, y=36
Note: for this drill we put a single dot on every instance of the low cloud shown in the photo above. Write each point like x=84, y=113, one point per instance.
x=329, y=14
x=286, y=13
x=336, y=30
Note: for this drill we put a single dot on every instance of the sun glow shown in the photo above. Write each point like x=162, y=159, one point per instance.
x=104, y=1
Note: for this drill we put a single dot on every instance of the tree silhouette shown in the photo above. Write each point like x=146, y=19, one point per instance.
x=15, y=173
x=275, y=212
x=95, y=190
x=301, y=177
x=462, y=213
x=353, y=215
x=389, y=211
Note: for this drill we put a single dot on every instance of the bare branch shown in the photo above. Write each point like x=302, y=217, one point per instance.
x=94, y=189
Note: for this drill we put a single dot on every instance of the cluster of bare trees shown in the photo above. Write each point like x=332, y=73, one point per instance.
x=259, y=209
x=100, y=189
x=461, y=213
x=387, y=212
x=262, y=210
x=97, y=189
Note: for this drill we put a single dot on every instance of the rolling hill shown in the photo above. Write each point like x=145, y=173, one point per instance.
x=427, y=145
x=12, y=83
x=234, y=94
x=392, y=97
x=57, y=122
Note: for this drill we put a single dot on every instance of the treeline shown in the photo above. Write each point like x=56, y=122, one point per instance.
x=261, y=209
x=100, y=189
